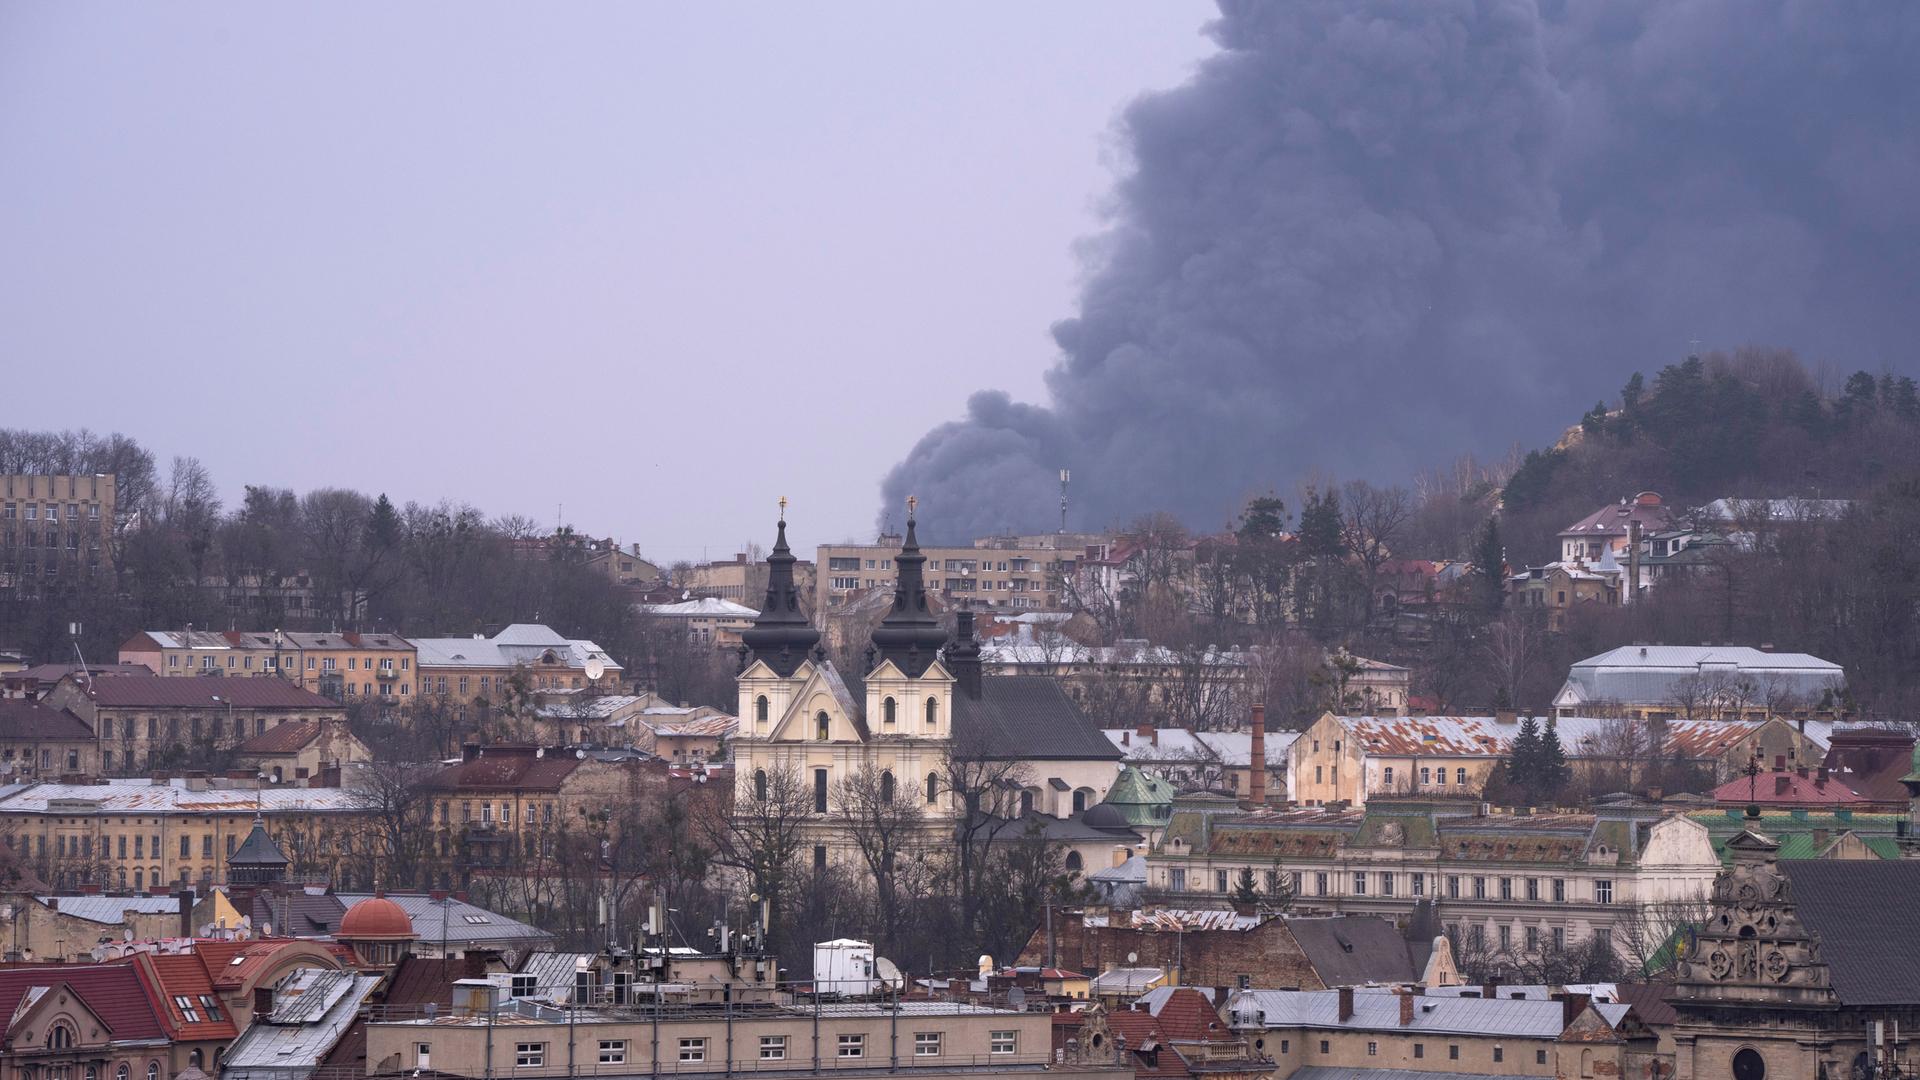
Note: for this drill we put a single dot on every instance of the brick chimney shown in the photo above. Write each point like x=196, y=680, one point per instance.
x=1146, y=731
x=1257, y=759
x=1346, y=1003
x=1571, y=1006
x=1406, y=1008
x=186, y=912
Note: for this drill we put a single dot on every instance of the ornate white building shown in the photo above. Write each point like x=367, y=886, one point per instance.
x=925, y=714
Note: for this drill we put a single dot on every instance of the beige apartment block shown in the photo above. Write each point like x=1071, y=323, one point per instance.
x=996, y=572
x=55, y=532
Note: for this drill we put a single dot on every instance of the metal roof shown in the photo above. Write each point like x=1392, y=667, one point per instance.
x=1651, y=674
x=710, y=607
x=111, y=910
x=521, y=643
x=456, y=921
x=1381, y=1012
x=554, y=974
x=136, y=796
x=211, y=693
x=280, y=1049
x=1127, y=980
x=1580, y=736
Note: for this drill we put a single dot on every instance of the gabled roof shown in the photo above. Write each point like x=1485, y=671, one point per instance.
x=287, y=738
x=112, y=991
x=30, y=720
x=185, y=975
x=1352, y=950
x=502, y=768
x=112, y=910
x=710, y=607
x=1381, y=1012
x=204, y=692
x=1862, y=912
x=259, y=849
x=1027, y=717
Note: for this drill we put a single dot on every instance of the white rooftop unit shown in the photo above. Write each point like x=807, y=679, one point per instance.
x=844, y=967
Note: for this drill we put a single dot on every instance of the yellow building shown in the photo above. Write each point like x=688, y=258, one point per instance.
x=523, y=658
x=54, y=531
x=136, y=834
x=148, y=721
x=342, y=666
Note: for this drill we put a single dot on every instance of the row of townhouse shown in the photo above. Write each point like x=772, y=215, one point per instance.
x=386, y=668
x=1512, y=884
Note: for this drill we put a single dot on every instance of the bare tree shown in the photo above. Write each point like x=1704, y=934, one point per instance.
x=982, y=788
x=883, y=817
x=1371, y=522
x=400, y=809
x=763, y=837
x=1517, y=652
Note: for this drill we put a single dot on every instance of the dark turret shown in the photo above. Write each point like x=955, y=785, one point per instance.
x=259, y=861
x=909, y=636
x=781, y=637
x=963, y=657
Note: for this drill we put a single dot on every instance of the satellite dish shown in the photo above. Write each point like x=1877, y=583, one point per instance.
x=1017, y=998
x=1133, y=958
x=127, y=934
x=596, y=667
x=889, y=974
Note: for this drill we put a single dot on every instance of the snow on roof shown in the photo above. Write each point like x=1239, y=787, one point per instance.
x=1654, y=674
x=709, y=607
x=521, y=643
x=131, y=796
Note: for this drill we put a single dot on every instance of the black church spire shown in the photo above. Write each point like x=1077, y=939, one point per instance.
x=781, y=635
x=909, y=636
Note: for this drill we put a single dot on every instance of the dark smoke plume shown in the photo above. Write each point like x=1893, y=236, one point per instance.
x=1366, y=236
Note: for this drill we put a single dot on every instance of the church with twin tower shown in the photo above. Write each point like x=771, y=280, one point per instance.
x=924, y=704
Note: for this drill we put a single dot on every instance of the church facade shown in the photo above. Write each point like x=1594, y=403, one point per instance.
x=926, y=725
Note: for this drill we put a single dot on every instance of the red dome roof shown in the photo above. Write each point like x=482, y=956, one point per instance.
x=375, y=919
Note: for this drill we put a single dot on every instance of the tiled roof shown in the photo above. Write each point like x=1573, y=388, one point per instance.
x=1351, y=950
x=1862, y=910
x=506, y=769
x=30, y=720
x=160, y=692
x=284, y=738
x=113, y=991
x=1028, y=717
x=185, y=975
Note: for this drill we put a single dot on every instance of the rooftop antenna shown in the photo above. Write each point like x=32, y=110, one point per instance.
x=73, y=633
x=1065, y=475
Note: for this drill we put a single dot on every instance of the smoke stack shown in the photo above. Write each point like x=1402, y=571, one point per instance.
x=1257, y=759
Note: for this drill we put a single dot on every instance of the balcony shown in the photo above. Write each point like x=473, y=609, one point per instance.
x=386, y=674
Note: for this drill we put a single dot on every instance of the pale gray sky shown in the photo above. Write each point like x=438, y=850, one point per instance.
x=661, y=264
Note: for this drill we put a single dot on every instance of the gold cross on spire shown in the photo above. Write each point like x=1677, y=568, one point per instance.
x=911, y=503
x=783, y=509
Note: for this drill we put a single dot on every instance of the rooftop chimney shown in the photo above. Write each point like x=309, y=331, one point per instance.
x=1406, y=1008
x=1781, y=784
x=1346, y=1004
x=262, y=1003
x=1571, y=1006
x=1257, y=759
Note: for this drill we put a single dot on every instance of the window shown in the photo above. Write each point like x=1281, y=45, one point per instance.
x=760, y=709
x=819, y=856
x=1559, y=890
x=523, y=986
x=773, y=1048
x=1419, y=884
x=1453, y=1051
x=529, y=1055
x=1440, y=776
x=822, y=728
x=760, y=784
x=933, y=711
x=1359, y=884
x=1005, y=1042
x=1749, y=1065
x=1320, y=883
x=1386, y=884
x=926, y=1044
x=1388, y=776
x=1506, y=888
x=1419, y=1050
x=60, y=1038
x=1533, y=888
x=933, y=787
x=1219, y=881
x=1506, y=936
x=1453, y=887
x=1373, y=1049
x=693, y=1050
x=1460, y=777
x=1426, y=775
x=819, y=791
x=1539, y=1057
x=1177, y=879
x=1533, y=938
x=1603, y=939
x=888, y=708
x=1499, y=1054
x=186, y=1007
x=1325, y=1047
x=613, y=1051
x=153, y=1070
x=1559, y=939
x=851, y=1046
x=1603, y=891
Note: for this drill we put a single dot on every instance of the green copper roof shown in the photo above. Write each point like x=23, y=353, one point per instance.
x=1145, y=800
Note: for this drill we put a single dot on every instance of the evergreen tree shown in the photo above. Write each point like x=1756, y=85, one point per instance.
x=1552, y=766
x=1523, y=760
x=1320, y=535
x=1490, y=567
x=1264, y=518
x=1244, y=890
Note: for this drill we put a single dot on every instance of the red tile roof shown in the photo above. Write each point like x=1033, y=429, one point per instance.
x=1784, y=787
x=157, y=691
x=113, y=991
x=285, y=738
x=516, y=768
x=185, y=975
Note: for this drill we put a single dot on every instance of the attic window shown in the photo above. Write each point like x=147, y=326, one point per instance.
x=477, y=920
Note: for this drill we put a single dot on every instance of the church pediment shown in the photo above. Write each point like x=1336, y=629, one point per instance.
x=822, y=696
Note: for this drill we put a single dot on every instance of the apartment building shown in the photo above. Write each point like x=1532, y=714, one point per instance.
x=56, y=532
x=136, y=834
x=479, y=668
x=141, y=721
x=931, y=1040
x=342, y=666
x=1506, y=884
x=995, y=573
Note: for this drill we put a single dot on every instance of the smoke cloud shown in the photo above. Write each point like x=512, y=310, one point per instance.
x=1370, y=236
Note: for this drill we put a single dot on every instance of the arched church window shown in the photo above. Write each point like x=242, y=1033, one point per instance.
x=933, y=787
x=1749, y=1065
x=822, y=727
x=760, y=709
x=760, y=784
x=886, y=786
x=887, y=711
x=1026, y=802
x=933, y=710
x=1074, y=862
